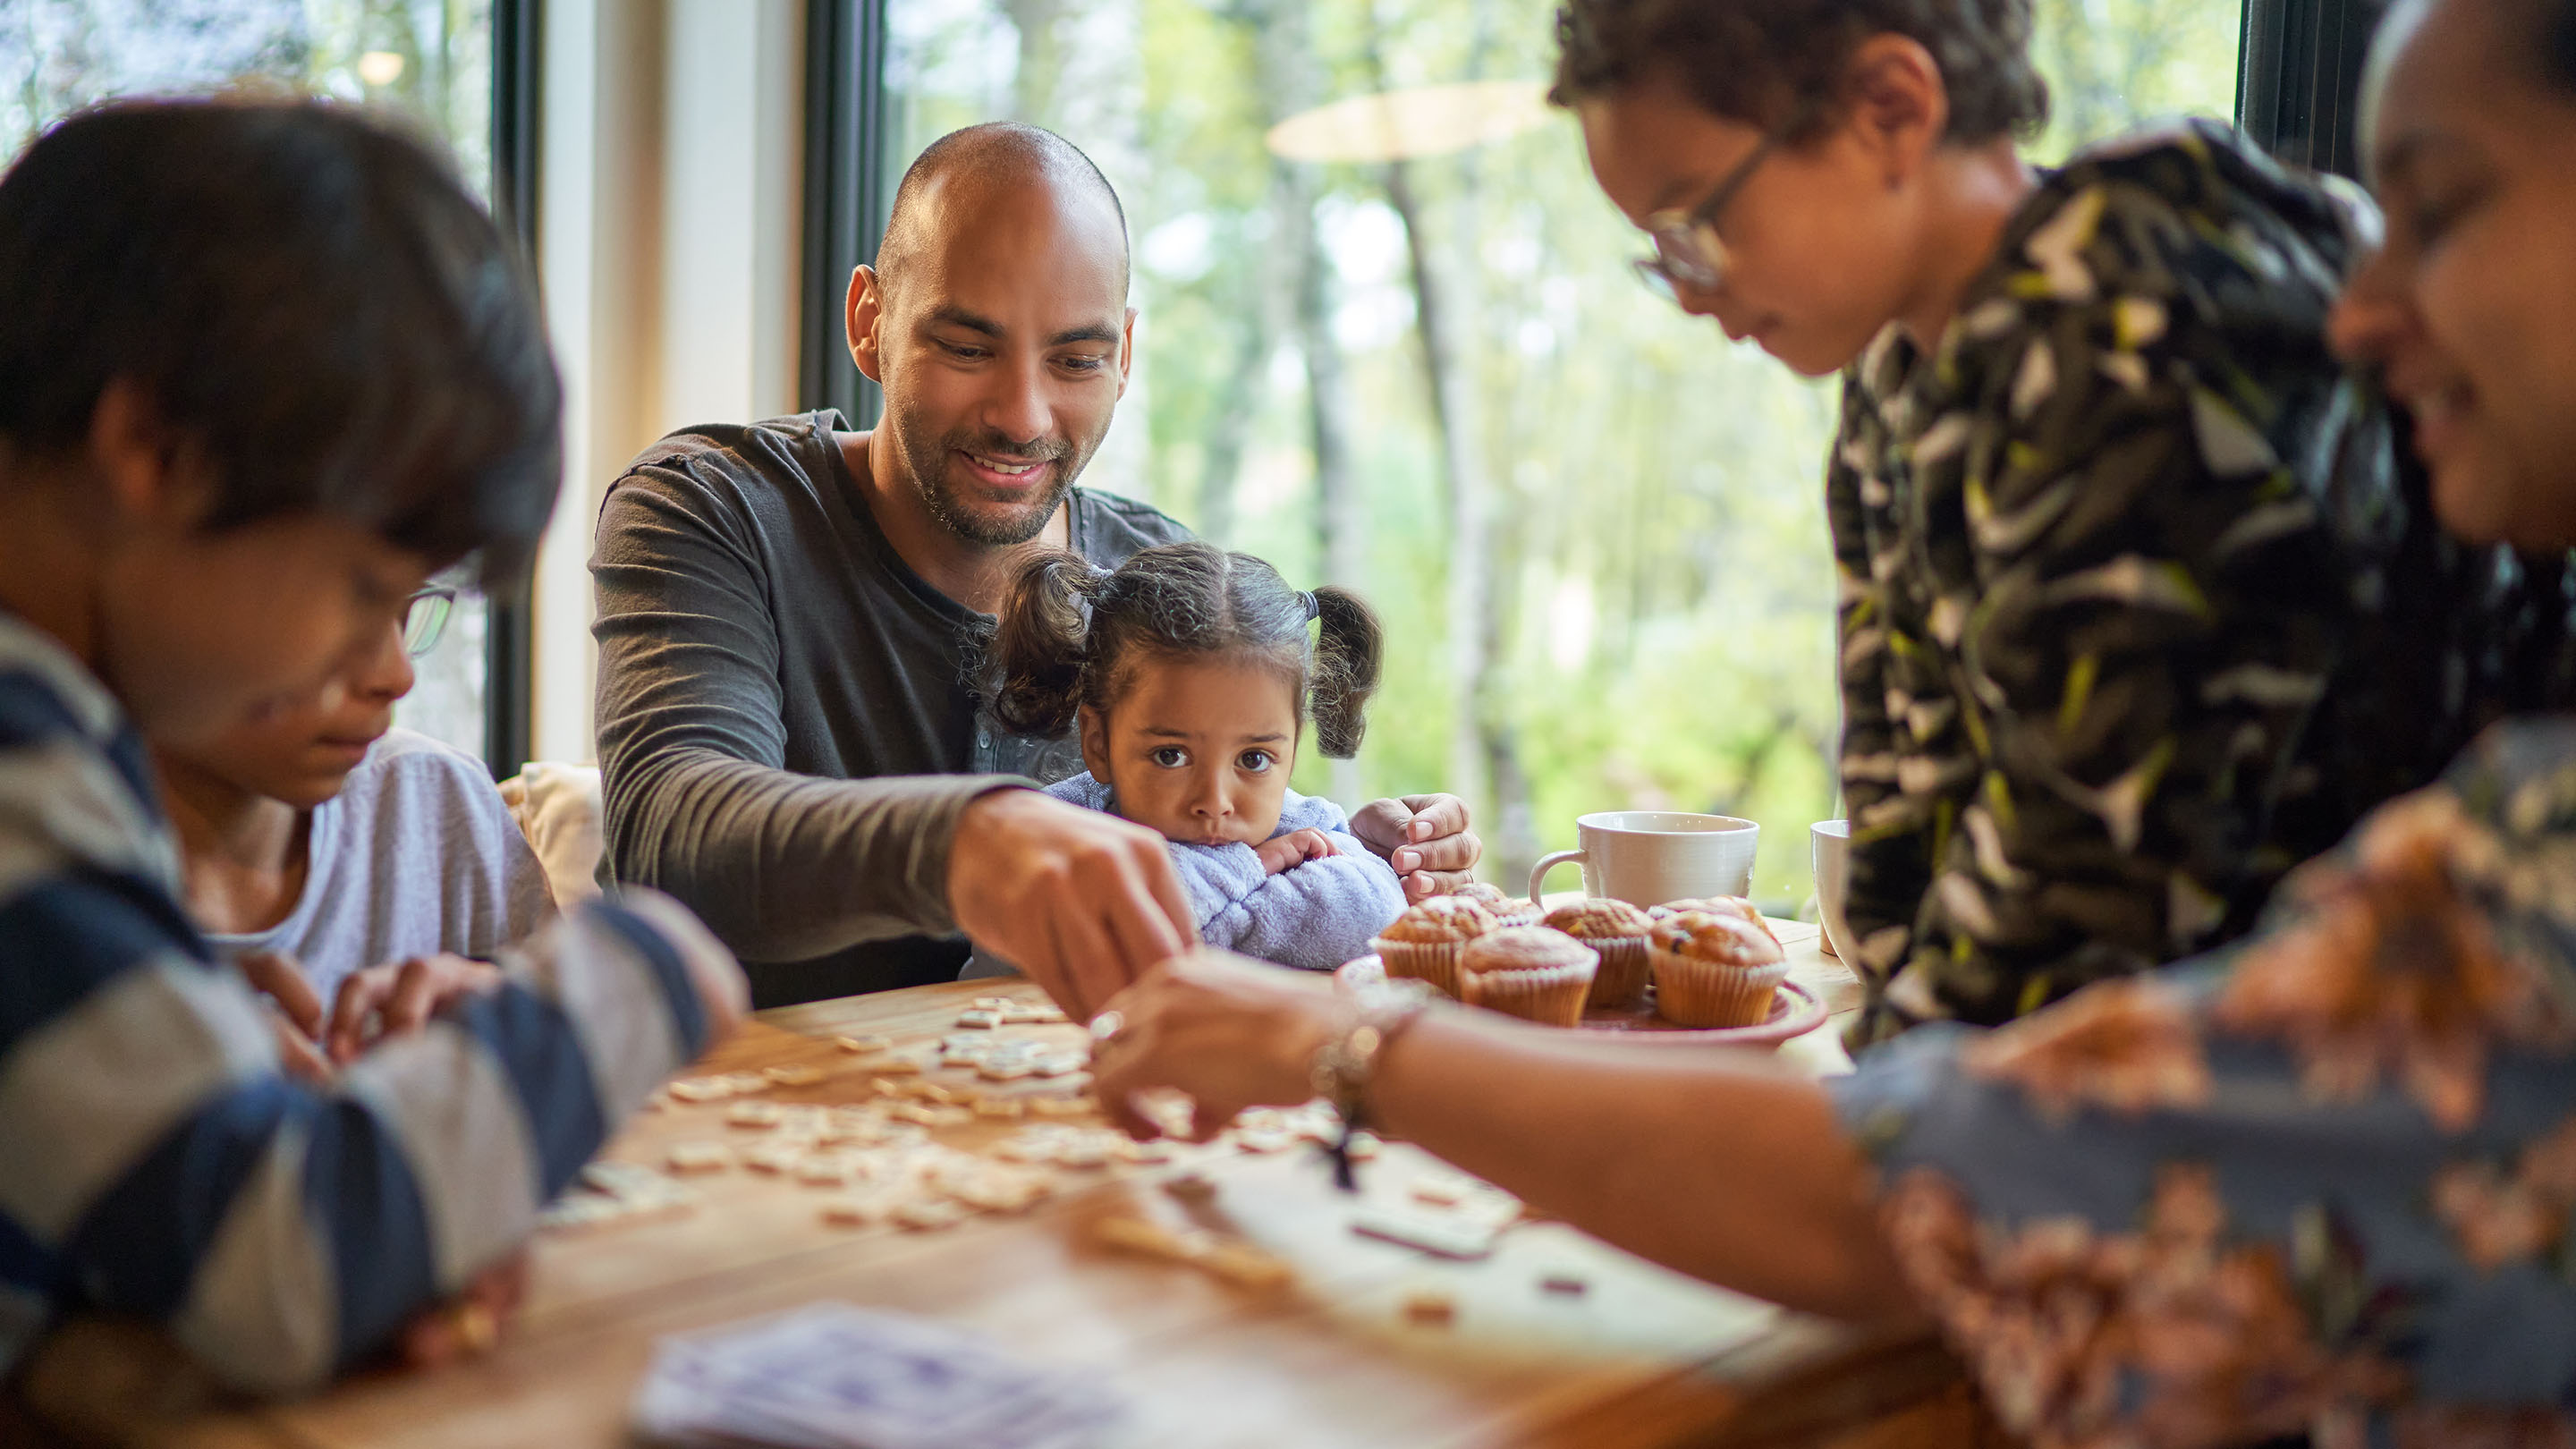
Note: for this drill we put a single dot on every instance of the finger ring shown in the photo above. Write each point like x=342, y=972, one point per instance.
x=1106, y=1026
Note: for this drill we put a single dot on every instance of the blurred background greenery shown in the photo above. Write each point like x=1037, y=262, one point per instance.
x=429, y=61
x=1594, y=528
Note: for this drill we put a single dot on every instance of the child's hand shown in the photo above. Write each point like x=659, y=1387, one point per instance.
x=1286, y=852
x=470, y=1323
x=296, y=1013
x=399, y=997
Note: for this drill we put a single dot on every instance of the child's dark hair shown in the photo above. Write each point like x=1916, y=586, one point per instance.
x=307, y=300
x=1070, y=630
x=1764, y=62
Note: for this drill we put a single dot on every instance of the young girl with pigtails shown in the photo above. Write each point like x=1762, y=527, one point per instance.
x=1190, y=675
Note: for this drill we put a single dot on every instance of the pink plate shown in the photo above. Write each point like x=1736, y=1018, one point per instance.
x=1795, y=1011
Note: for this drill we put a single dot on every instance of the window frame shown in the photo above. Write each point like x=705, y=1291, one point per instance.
x=2298, y=79
x=847, y=190
x=509, y=640
x=2298, y=90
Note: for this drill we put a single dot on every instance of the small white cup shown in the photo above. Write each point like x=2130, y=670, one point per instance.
x=1648, y=857
x=1831, y=840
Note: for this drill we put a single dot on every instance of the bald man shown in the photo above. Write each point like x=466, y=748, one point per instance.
x=792, y=615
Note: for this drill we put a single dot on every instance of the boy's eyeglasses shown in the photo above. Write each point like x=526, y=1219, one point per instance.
x=425, y=618
x=1688, y=250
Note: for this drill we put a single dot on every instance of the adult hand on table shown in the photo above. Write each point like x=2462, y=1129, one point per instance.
x=1080, y=900
x=1426, y=839
x=1229, y=1032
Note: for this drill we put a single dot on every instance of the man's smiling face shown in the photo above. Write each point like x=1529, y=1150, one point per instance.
x=1003, y=347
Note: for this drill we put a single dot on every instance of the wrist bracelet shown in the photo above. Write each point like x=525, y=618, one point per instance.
x=1346, y=1065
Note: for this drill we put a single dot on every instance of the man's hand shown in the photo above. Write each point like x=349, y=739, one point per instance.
x=295, y=1012
x=1286, y=852
x=1426, y=839
x=399, y=998
x=1082, y=901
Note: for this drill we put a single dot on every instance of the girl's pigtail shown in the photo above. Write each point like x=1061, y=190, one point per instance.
x=1348, y=649
x=1042, y=644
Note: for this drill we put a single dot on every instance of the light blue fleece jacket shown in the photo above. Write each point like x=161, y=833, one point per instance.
x=1314, y=916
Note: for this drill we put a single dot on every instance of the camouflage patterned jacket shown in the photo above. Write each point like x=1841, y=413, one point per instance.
x=2137, y=607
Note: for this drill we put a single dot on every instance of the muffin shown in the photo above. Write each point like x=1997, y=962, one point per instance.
x=1506, y=910
x=1736, y=906
x=1530, y=972
x=1423, y=943
x=1714, y=969
x=1618, y=931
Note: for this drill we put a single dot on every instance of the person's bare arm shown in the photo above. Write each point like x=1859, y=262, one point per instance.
x=1718, y=1163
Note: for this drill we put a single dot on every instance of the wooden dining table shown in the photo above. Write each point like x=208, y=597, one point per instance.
x=1555, y=1339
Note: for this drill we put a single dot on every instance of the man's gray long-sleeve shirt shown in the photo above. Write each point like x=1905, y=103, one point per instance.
x=789, y=724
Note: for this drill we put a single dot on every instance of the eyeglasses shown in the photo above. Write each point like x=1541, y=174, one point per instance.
x=1688, y=250
x=425, y=618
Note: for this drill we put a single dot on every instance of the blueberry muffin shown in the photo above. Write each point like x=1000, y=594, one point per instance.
x=1424, y=942
x=1617, y=931
x=1530, y=972
x=1714, y=969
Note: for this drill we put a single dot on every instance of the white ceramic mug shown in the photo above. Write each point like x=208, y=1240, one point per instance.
x=1832, y=845
x=1648, y=857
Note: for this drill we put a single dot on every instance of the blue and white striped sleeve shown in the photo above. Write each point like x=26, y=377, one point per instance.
x=152, y=1158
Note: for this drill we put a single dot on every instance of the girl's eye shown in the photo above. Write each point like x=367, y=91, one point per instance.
x=1170, y=757
x=1254, y=762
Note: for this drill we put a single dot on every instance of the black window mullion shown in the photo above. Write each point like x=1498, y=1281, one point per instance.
x=845, y=191
x=510, y=621
x=2298, y=92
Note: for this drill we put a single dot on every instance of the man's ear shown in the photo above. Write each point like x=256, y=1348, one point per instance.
x=1126, y=352
x=864, y=313
x=1095, y=743
x=145, y=477
x=1899, y=103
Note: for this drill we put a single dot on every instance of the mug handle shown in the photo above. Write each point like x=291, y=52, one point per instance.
x=1546, y=863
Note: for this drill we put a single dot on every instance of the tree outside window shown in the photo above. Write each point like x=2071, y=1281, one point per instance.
x=1594, y=528
x=431, y=60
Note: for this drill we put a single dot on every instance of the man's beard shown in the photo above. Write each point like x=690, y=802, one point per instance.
x=993, y=527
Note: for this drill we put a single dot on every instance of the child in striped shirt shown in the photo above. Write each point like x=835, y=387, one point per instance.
x=263, y=367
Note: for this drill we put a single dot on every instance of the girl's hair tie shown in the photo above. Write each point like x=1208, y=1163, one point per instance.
x=1308, y=599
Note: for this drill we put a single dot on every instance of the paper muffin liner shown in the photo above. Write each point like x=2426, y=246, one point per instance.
x=1621, y=981
x=1693, y=992
x=1549, y=995
x=1432, y=961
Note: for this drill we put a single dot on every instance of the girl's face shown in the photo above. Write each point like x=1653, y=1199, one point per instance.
x=1819, y=237
x=2469, y=310
x=1197, y=748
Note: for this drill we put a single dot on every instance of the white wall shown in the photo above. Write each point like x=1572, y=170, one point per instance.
x=670, y=215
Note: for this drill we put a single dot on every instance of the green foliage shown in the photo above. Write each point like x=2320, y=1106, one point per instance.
x=1660, y=578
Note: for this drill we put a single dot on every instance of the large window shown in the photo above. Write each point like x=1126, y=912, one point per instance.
x=1594, y=529
x=431, y=59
